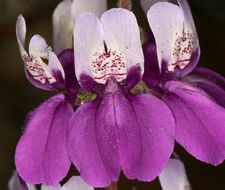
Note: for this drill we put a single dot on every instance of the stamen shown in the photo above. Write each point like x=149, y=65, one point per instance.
x=38, y=69
x=110, y=64
x=182, y=50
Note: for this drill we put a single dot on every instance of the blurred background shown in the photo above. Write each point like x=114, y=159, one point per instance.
x=18, y=96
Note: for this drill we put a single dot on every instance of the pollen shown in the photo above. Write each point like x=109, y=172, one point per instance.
x=182, y=49
x=110, y=63
x=38, y=69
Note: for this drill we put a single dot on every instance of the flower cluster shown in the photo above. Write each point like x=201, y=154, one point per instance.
x=99, y=53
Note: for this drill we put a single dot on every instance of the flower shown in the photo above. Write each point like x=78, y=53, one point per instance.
x=170, y=58
x=41, y=155
x=118, y=130
x=75, y=182
x=43, y=144
x=174, y=177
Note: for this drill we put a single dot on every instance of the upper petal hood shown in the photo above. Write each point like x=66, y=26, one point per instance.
x=119, y=30
x=38, y=73
x=64, y=17
x=175, y=35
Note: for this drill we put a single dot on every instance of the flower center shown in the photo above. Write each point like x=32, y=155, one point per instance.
x=182, y=49
x=38, y=69
x=108, y=64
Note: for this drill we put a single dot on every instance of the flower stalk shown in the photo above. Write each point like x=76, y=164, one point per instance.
x=126, y=4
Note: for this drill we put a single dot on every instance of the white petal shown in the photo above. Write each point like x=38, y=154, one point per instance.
x=174, y=38
x=21, y=33
x=39, y=47
x=55, y=65
x=173, y=177
x=63, y=24
x=121, y=32
x=146, y=4
x=45, y=187
x=95, y=6
x=88, y=37
x=14, y=183
x=34, y=64
x=76, y=183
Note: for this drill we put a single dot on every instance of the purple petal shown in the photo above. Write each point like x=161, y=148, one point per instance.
x=115, y=131
x=145, y=135
x=209, y=81
x=151, y=68
x=66, y=58
x=200, y=126
x=41, y=155
x=201, y=74
x=133, y=77
x=92, y=142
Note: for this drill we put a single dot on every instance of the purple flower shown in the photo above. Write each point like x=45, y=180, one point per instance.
x=193, y=97
x=118, y=130
x=41, y=155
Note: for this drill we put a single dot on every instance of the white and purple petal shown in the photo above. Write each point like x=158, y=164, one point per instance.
x=37, y=71
x=119, y=31
x=41, y=155
x=200, y=126
x=174, y=177
x=88, y=37
x=175, y=35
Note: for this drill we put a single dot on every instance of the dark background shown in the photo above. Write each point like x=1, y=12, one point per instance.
x=18, y=96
